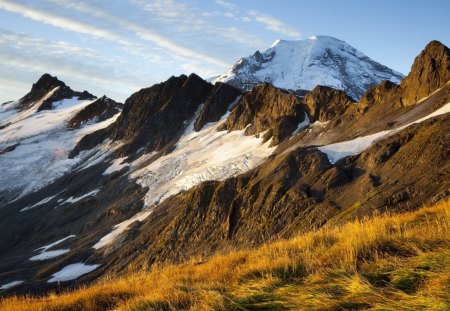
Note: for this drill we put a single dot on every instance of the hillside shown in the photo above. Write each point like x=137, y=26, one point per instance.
x=387, y=262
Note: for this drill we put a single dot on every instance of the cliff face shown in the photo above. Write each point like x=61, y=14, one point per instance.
x=430, y=71
x=266, y=109
x=216, y=104
x=325, y=103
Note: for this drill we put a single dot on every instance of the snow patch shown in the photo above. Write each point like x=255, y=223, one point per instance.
x=11, y=284
x=46, y=254
x=76, y=199
x=46, y=247
x=72, y=272
x=302, y=125
x=49, y=254
x=120, y=228
x=116, y=165
x=43, y=201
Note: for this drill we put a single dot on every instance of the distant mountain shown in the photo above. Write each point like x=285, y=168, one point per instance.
x=304, y=64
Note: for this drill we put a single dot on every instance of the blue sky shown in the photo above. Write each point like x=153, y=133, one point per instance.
x=117, y=47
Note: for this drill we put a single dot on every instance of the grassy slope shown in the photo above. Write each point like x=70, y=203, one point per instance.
x=399, y=262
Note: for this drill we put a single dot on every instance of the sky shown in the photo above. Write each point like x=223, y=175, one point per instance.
x=116, y=47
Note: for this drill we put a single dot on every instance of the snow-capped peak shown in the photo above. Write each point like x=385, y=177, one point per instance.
x=306, y=63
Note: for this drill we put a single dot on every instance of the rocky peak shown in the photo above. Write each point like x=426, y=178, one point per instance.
x=326, y=103
x=430, y=71
x=266, y=108
x=46, y=84
x=154, y=116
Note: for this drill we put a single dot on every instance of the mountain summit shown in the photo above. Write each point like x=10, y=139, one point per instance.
x=303, y=64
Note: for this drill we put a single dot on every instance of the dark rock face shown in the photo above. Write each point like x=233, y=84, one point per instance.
x=39, y=89
x=430, y=71
x=155, y=116
x=217, y=104
x=89, y=141
x=43, y=86
x=326, y=103
x=266, y=108
x=100, y=110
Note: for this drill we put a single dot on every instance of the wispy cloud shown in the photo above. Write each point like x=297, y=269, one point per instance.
x=144, y=33
x=226, y=4
x=191, y=24
x=60, y=21
x=274, y=24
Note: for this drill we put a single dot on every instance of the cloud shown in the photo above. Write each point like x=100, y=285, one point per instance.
x=200, y=26
x=226, y=4
x=85, y=28
x=60, y=22
x=273, y=24
x=145, y=33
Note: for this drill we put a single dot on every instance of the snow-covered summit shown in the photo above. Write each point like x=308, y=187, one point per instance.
x=304, y=64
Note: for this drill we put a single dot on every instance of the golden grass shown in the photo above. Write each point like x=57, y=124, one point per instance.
x=396, y=262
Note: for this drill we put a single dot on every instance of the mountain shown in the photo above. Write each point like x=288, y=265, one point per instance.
x=39, y=130
x=304, y=64
x=189, y=169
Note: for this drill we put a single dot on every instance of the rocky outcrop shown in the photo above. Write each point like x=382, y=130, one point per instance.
x=155, y=116
x=89, y=141
x=430, y=71
x=43, y=86
x=217, y=104
x=326, y=103
x=98, y=111
x=266, y=109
